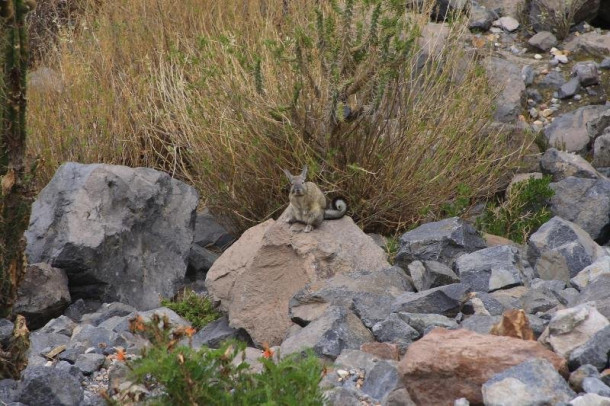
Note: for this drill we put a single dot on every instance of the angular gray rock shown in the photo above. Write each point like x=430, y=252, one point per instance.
x=335, y=330
x=595, y=351
x=50, y=387
x=41, y=343
x=42, y=295
x=560, y=249
x=216, y=332
x=599, y=293
x=480, y=18
x=105, y=224
x=395, y=330
x=431, y=274
x=423, y=322
x=586, y=73
x=592, y=43
x=89, y=363
x=492, y=268
x=540, y=300
x=561, y=165
x=601, y=151
x=595, y=385
x=570, y=328
x=107, y=311
x=591, y=272
x=480, y=323
x=441, y=241
x=381, y=380
x=585, y=202
x=507, y=23
x=543, y=41
x=531, y=383
x=483, y=303
x=569, y=130
x=61, y=325
x=552, y=80
x=370, y=294
x=508, y=81
x=86, y=336
x=582, y=372
x=445, y=300
x=569, y=89
x=590, y=399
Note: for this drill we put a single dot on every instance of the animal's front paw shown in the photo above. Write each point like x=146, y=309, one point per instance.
x=307, y=228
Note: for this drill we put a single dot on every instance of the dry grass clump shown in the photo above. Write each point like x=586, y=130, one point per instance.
x=225, y=94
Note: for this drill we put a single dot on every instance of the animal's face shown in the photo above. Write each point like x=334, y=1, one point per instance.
x=297, y=183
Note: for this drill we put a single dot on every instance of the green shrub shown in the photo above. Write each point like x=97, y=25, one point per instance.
x=198, y=310
x=522, y=213
x=185, y=376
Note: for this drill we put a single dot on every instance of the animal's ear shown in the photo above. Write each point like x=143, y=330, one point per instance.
x=304, y=172
x=288, y=174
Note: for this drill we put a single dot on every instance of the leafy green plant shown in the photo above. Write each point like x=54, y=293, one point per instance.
x=197, y=309
x=522, y=213
x=185, y=376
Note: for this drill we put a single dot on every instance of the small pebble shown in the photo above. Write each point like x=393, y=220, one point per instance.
x=538, y=57
x=578, y=97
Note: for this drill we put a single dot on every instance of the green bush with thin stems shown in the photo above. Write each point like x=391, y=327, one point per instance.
x=181, y=375
x=386, y=109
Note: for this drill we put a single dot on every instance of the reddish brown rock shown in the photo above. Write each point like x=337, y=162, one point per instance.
x=256, y=277
x=381, y=350
x=450, y=364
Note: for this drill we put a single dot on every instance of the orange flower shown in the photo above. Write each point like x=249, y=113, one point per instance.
x=189, y=331
x=120, y=354
x=267, y=352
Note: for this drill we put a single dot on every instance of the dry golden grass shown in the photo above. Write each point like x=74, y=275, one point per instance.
x=207, y=91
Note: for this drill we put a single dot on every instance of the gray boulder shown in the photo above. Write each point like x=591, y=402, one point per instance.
x=540, y=300
x=441, y=241
x=591, y=272
x=508, y=81
x=480, y=323
x=561, y=165
x=598, y=292
x=370, y=294
x=50, y=387
x=592, y=43
x=423, y=322
x=61, y=325
x=41, y=343
x=595, y=351
x=590, y=399
x=492, y=268
x=585, y=202
x=445, y=300
x=107, y=311
x=483, y=303
x=586, y=73
x=531, y=383
x=119, y=233
x=601, y=151
x=595, y=385
x=582, y=372
x=42, y=295
x=569, y=130
x=431, y=274
x=552, y=80
x=480, y=18
x=89, y=363
x=569, y=89
x=559, y=250
x=395, y=330
x=216, y=332
x=335, y=330
x=543, y=41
